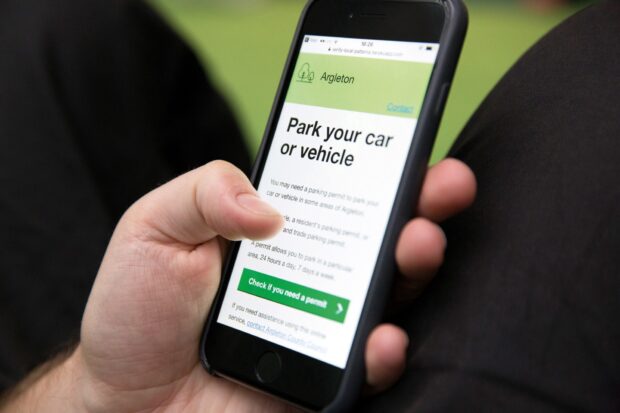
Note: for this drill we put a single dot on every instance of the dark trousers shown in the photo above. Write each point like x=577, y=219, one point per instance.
x=524, y=315
x=99, y=103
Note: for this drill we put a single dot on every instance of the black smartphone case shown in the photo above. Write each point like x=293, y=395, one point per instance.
x=452, y=38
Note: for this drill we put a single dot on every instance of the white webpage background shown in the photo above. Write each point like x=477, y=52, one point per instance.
x=375, y=174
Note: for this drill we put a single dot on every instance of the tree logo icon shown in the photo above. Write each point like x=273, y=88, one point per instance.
x=305, y=74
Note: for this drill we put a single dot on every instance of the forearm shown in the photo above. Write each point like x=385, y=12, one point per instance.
x=52, y=387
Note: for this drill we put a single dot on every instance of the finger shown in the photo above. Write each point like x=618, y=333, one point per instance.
x=449, y=187
x=216, y=199
x=419, y=253
x=385, y=357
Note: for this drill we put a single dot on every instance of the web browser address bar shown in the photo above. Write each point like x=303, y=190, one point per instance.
x=366, y=52
x=374, y=49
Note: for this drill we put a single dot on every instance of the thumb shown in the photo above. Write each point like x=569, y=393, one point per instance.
x=216, y=199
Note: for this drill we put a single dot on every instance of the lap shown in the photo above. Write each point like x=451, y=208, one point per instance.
x=100, y=102
x=524, y=314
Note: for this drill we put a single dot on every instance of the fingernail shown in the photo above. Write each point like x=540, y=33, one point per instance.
x=254, y=204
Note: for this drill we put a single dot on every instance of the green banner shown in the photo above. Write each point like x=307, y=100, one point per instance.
x=294, y=295
x=385, y=87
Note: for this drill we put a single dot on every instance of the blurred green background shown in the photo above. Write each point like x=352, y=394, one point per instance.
x=244, y=43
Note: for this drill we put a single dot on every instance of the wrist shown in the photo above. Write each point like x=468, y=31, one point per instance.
x=54, y=386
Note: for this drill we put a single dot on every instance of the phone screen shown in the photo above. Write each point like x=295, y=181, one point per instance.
x=333, y=170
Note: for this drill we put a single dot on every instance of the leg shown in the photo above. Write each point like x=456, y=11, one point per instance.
x=524, y=314
x=99, y=103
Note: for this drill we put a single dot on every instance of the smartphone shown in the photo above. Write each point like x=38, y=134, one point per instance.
x=343, y=159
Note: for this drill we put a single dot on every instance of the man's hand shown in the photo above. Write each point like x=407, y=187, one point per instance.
x=157, y=281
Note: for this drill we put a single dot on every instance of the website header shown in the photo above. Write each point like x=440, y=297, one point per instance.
x=354, y=83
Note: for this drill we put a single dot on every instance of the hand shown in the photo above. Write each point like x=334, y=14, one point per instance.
x=449, y=188
x=157, y=281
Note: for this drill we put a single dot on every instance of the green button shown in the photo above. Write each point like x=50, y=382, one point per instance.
x=294, y=295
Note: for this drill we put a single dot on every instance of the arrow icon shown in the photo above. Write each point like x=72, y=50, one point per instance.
x=340, y=308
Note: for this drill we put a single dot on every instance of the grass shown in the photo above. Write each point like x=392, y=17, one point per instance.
x=244, y=49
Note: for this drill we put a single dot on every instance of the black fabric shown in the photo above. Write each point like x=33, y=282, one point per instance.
x=525, y=314
x=99, y=103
